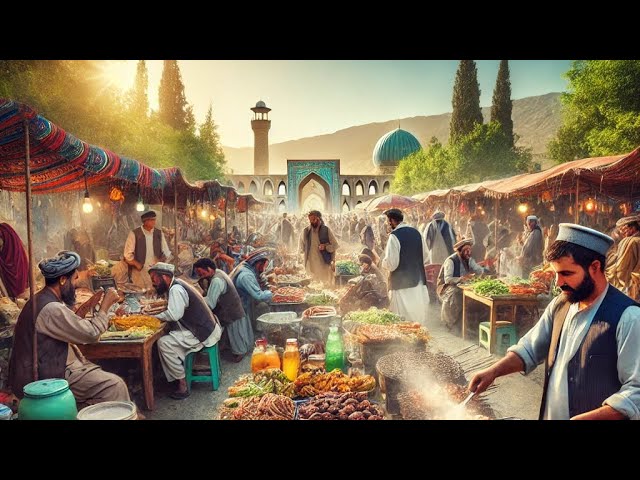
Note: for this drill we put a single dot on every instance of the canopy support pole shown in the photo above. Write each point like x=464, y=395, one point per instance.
x=175, y=225
x=226, y=224
x=495, y=225
x=32, y=277
x=577, y=207
x=246, y=222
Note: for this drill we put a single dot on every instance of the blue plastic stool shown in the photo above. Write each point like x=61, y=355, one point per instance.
x=214, y=364
x=506, y=336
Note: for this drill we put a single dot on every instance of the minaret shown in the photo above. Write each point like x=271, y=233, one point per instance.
x=261, y=125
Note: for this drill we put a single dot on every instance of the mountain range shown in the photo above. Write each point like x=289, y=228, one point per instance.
x=535, y=121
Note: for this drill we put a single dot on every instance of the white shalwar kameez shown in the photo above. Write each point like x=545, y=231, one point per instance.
x=178, y=343
x=410, y=303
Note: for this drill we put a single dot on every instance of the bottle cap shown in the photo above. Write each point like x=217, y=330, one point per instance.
x=261, y=342
x=292, y=340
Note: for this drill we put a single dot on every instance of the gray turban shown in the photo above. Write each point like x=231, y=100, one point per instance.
x=438, y=215
x=63, y=263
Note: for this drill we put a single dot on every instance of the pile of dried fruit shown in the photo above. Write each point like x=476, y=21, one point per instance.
x=336, y=406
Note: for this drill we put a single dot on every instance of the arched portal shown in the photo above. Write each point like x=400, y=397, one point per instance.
x=373, y=188
x=282, y=189
x=240, y=187
x=346, y=189
x=385, y=187
x=267, y=189
x=253, y=188
x=282, y=207
x=359, y=189
x=314, y=194
x=345, y=207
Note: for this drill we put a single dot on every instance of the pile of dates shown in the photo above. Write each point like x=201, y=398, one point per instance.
x=340, y=406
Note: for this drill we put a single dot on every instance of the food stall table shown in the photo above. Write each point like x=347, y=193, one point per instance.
x=494, y=303
x=140, y=348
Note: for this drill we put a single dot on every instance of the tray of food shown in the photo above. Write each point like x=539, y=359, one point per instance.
x=340, y=406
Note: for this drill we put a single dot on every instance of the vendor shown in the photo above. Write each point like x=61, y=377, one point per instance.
x=246, y=278
x=456, y=269
x=145, y=246
x=52, y=333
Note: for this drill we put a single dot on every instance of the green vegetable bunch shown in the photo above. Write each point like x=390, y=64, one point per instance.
x=373, y=316
x=347, y=267
x=490, y=288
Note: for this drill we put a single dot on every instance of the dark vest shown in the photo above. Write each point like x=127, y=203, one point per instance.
x=411, y=267
x=140, y=252
x=52, y=353
x=457, y=262
x=229, y=307
x=323, y=236
x=592, y=373
x=197, y=317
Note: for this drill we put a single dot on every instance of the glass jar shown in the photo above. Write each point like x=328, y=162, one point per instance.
x=259, y=357
x=291, y=359
x=272, y=357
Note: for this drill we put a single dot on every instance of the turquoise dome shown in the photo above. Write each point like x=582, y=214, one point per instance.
x=393, y=147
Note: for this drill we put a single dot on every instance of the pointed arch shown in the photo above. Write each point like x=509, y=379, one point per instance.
x=253, y=187
x=386, y=187
x=373, y=187
x=282, y=206
x=359, y=188
x=267, y=188
x=346, y=189
x=345, y=207
x=282, y=189
x=240, y=187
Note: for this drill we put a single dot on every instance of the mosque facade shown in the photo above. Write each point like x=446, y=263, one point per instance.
x=313, y=183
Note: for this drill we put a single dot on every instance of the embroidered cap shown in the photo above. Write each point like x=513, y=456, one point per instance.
x=585, y=237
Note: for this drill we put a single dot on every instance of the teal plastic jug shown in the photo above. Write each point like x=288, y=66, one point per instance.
x=49, y=399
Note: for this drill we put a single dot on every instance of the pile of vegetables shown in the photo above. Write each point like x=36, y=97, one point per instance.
x=373, y=316
x=271, y=380
x=490, y=288
x=347, y=267
x=320, y=299
x=101, y=268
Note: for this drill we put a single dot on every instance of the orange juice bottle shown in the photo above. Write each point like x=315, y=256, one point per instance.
x=291, y=359
x=259, y=357
x=272, y=357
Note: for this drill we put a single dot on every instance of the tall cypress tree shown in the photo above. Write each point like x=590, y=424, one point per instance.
x=174, y=110
x=209, y=134
x=140, y=100
x=501, y=104
x=466, y=101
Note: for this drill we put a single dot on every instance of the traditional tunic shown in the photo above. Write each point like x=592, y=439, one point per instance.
x=239, y=333
x=315, y=265
x=410, y=303
x=439, y=239
x=179, y=342
x=623, y=274
x=245, y=279
x=141, y=277
x=451, y=297
x=532, y=251
x=87, y=381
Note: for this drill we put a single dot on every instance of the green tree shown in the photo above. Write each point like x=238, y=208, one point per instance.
x=501, y=103
x=140, y=100
x=174, y=109
x=209, y=134
x=466, y=101
x=601, y=110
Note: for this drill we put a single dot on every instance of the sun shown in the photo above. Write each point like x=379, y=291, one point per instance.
x=119, y=74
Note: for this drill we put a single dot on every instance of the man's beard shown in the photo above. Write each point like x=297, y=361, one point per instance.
x=68, y=294
x=161, y=288
x=584, y=290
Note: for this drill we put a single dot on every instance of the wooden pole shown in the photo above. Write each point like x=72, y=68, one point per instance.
x=32, y=277
x=226, y=224
x=175, y=225
x=246, y=235
x=577, y=207
x=495, y=224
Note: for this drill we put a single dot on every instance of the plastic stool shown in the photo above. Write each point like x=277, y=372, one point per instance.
x=214, y=364
x=506, y=333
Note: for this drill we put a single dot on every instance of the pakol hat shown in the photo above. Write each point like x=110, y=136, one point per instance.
x=162, y=267
x=462, y=243
x=585, y=237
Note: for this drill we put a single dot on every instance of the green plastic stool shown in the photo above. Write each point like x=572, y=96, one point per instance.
x=214, y=364
x=506, y=333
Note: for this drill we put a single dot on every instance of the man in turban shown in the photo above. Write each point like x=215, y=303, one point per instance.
x=439, y=238
x=50, y=335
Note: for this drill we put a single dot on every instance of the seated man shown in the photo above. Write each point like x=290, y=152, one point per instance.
x=222, y=297
x=57, y=328
x=246, y=278
x=457, y=268
x=192, y=322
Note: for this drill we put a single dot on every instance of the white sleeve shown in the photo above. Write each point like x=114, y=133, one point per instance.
x=165, y=249
x=130, y=246
x=178, y=302
x=391, y=258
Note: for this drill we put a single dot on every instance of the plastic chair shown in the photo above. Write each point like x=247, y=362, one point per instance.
x=214, y=365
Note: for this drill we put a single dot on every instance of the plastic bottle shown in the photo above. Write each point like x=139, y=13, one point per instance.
x=291, y=359
x=258, y=358
x=334, y=352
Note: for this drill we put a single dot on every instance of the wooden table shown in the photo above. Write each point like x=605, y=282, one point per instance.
x=494, y=303
x=135, y=348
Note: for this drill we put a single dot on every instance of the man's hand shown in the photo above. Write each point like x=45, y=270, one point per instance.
x=110, y=297
x=482, y=380
x=322, y=247
x=89, y=305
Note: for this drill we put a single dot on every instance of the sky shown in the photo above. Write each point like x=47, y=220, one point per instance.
x=314, y=97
